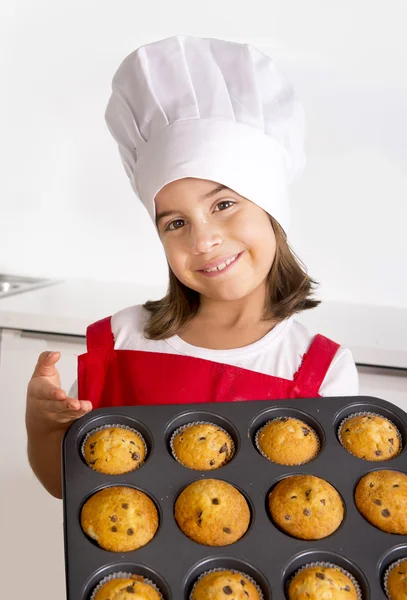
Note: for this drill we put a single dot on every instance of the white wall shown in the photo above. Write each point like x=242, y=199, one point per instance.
x=67, y=208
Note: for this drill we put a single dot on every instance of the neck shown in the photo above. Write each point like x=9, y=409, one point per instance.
x=247, y=311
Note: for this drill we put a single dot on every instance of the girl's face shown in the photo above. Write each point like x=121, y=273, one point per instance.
x=203, y=225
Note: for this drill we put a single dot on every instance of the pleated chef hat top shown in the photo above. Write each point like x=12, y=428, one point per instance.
x=209, y=109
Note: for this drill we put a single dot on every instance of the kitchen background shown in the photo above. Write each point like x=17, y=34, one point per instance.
x=68, y=211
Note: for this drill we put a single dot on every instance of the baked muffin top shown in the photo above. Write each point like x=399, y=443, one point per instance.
x=225, y=585
x=127, y=588
x=381, y=497
x=212, y=512
x=120, y=519
x=202, y=446
x=306, y=507
x=317, y=583
x=114, y=451
x=288, y=441
x=397, y=581
x=370, y=437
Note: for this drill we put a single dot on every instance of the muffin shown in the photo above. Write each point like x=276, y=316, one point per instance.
x=133, y=587
x=212, y=512
x=370, y=437
x=306, y=507
x=223, y=585
x=114, y=450
x=381, y=497
x=120, y=519
x=396, y=587
x=287, y=441
x=318, y=582
x=202, y=446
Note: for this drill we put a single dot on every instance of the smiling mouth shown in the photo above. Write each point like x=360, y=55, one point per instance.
x=221, y=266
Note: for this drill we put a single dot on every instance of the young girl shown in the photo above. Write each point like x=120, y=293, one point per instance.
x=210, y=135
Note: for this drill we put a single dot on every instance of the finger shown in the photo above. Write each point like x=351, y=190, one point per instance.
x=45, y=366
x=72, y=405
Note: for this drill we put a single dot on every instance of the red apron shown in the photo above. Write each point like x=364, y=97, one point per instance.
x=109, y=377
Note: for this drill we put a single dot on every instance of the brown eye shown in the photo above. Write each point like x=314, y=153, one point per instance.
x=177, y=224
x=225, y=204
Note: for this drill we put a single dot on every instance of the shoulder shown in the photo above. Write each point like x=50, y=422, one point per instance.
x=128, y=327
x=341, y=378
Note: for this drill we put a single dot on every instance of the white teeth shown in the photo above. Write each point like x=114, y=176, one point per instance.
x=222, y=265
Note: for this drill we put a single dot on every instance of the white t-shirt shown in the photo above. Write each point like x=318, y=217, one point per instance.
x=278, y=353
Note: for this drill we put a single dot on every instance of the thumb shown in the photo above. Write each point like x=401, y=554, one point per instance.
x=45, y=366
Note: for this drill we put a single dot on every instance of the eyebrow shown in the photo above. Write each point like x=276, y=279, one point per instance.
x=169, y=213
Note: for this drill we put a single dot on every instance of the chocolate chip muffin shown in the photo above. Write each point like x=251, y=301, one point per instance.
x=224, y=585
x=202, y=446
x=397, y=581
x=381, y=497
x=212, y=512
x=114, y=451
x=321, y=582
x=370, y=437
x=306, y=507
x=134, y=587
x=288, y=441
x=120, y=519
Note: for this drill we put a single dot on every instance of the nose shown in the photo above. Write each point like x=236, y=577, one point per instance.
x=204, y=238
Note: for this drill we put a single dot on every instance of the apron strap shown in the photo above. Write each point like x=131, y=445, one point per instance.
x=314, y=366
x=99, y=335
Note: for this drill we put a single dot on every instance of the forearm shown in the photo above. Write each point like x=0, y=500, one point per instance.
x=44, y=448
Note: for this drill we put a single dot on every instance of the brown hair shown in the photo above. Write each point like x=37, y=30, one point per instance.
x=289, y=292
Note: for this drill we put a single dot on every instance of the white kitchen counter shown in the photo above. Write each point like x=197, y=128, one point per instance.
x=376, y=335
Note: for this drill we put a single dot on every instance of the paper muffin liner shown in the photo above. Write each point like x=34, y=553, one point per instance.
x=333, y=566
x=120, y=575
x=256, y=441
x=183, y=427
x=369, y=414
x=90, y=433
x=387, y=573
x=235, y=572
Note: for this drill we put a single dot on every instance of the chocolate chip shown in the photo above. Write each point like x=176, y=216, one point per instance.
x=391, y=440
x=130, y=531
x=224, y=448
x=346, y=588
x=347, y=430
x=131, y=442
x=92, y=452
x=293, y=497
x=307, y=493
x=92, y=462
x=284, y=419
x=211, y=463
x=242, y=582
x=378, y=452
x=287, y=517
x=130, y=589
x=202, y=438
x=123, y=440
x=215, y=501
x=113, y=518
x=305, y=431
x=371, y=484
x=306, y=512
x=227, y=530
x=227, y=590
x=320, y=575
x=114, y=528
x=93, y=445
x=135, y=456
x=386, y=512
x=396, y=485
x=125, y=505
x=323, y=501
x=378, y=502
x=199, y=518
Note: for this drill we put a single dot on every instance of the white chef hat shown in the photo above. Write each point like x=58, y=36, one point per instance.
x=209, y=109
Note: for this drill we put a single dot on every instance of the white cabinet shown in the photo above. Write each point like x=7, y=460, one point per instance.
x=31, y=521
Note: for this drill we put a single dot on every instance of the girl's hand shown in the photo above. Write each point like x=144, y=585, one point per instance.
x=48, y=406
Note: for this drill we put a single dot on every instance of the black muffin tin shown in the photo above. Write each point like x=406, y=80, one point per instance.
x=270, y=556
